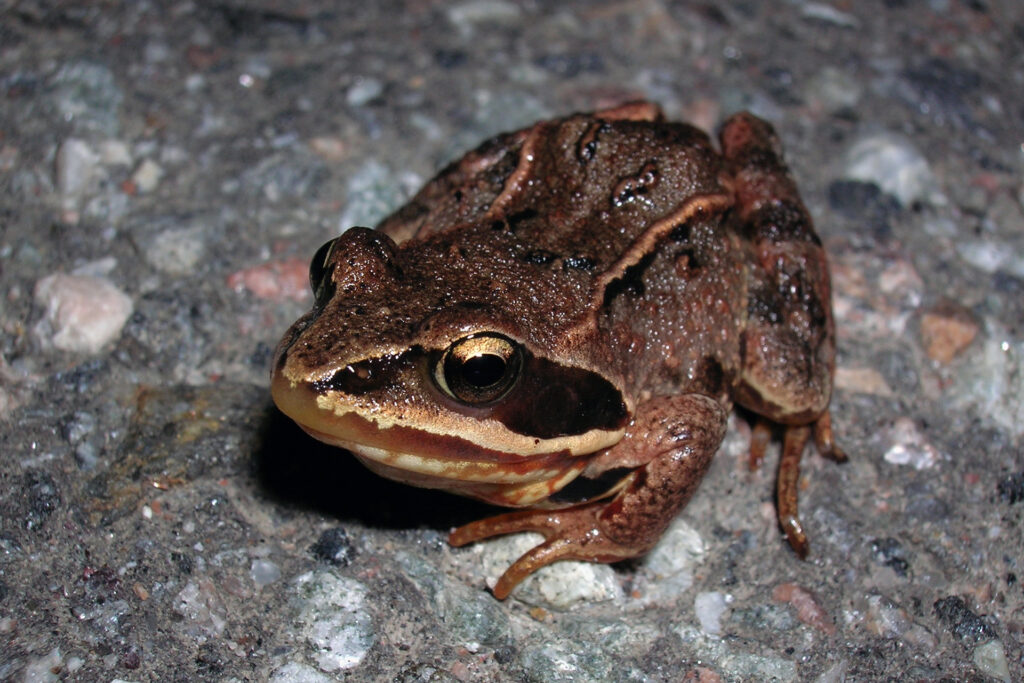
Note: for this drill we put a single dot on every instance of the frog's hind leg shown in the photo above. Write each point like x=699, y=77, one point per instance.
x=787, y=345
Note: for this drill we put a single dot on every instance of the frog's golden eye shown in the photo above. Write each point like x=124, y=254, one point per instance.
x=479, y=368
x=318, y=273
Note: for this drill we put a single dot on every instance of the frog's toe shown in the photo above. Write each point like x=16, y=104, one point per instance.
x=572, y=534
x=825, y=440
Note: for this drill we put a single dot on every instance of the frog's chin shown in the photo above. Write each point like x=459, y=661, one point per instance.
x=497, y=478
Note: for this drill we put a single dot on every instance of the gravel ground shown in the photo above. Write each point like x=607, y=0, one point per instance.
x=168, y=168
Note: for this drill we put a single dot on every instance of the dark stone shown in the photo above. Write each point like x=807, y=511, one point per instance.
x=334, y=547
x=1011, y=488
x=961, y=621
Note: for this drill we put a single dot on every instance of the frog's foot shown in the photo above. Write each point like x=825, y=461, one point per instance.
x=794, y=441
x=572, y=534
x=761, y=435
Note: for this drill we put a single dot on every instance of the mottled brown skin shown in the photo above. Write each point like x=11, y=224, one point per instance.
x=634, y=282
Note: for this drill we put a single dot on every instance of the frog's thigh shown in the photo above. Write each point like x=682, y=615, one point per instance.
x=787, y=345
x=786, y=371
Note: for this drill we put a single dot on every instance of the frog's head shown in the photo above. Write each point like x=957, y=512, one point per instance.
x=436, y=373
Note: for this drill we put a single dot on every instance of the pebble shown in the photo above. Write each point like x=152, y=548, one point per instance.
x=77, y=432
x=670, y=566
x=807, y=608
x=264, y=572
x=85, y=94
x=1011, y=488
x=114, y=153
x=946, y=330
x=709, y=607
x=329, y=148
x=202, y=608
x=558, y=586
x=335, y=620
x=734, y=664
x=147, y=176
x=82, y=312
x=334, y=547
x=862, y=381
x=473, y=616
x=886, y=619
x=835, y=673
x=990, y=379
x=77, y=166
x=961, y=621
x=296, y=672
x=909, y=446
x=274, y=281
x=80, y=426
x=991, y=256
x=363, y=91
x=41, y=669
x=477, y=11
x=289, y=173
x=564, y=662
x=990, y=658
x=177, y=251
x=679, y=549
x=893, y=163
x=829, y=15
x=834, y=90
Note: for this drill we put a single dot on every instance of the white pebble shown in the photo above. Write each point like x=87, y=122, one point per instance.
x=264, y=572
x=710, y=606
x=909, y=446
x=297, y=672
x=115, y=153
x=894, y=164
x=990, y=658
x=83, y=312
x=829, y=14
x=76, y=165
x=176, y=251
x=334, y=620
x=559, y=586
x=479, y=11
x=41, y=670
x=363, y=91
x=147, y=176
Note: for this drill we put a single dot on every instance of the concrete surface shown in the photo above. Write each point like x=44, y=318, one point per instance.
x=168, y=168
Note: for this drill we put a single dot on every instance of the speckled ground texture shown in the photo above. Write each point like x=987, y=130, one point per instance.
x=174, y=165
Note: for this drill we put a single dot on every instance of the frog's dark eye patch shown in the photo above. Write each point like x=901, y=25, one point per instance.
x=499, y=379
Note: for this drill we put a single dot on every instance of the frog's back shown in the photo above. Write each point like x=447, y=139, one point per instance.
x=582, y=187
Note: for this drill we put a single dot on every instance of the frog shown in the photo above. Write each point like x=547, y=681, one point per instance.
x=562, y=321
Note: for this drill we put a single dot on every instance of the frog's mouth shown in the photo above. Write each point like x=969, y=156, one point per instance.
x=512, y=481
x=443, y=460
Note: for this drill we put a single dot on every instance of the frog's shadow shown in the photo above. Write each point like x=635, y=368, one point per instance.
x=297, y=470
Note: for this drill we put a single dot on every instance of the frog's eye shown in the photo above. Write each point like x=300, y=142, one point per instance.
x=479, y=368
x=318, y=273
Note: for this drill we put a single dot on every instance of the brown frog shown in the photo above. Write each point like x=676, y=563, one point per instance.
x=562, y=321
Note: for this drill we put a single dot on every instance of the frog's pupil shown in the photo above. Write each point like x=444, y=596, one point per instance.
x=484, y=370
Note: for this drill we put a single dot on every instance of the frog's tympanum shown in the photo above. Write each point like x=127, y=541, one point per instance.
x=562, y=321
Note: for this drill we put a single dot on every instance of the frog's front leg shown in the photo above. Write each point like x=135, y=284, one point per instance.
x=670, y=443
